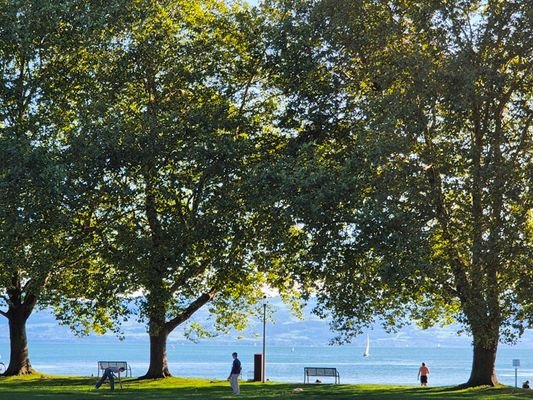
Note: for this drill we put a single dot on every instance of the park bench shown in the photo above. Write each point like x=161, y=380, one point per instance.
x=102, y=365
x=315, y=371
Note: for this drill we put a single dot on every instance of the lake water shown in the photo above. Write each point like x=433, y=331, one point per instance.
x=449, y=366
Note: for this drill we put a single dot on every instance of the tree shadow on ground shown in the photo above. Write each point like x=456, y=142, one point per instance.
x=133, y=389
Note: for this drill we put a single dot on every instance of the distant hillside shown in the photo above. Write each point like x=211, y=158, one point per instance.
x=285, y=330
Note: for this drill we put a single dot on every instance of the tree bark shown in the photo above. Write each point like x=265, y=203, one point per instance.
x=483, y=367
x=159, y=331
x=158, y=367
x=19, y=359
x=486, y=336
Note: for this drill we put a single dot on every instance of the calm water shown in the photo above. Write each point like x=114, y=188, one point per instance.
x=283, y=364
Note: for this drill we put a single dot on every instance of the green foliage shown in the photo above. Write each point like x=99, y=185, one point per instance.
x=168, y=117
x=409, y=157
x=39, y=235
x=181, y=153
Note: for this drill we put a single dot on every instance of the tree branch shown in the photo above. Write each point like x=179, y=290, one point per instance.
x=463, y=287
x=191, y=273
x=189, y=311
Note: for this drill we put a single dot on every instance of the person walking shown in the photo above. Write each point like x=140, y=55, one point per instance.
x=423, y=373
x=110, y=372
x=233, y=377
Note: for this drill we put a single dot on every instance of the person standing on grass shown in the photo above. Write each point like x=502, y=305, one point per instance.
x=233, y=377
x=423, y=373
x=110, y=373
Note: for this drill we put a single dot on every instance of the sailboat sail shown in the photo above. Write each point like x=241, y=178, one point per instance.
x=367, y=348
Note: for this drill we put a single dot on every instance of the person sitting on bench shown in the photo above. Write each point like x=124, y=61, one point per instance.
x=110, y=372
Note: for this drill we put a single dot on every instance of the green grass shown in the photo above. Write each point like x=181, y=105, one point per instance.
x=41, y=387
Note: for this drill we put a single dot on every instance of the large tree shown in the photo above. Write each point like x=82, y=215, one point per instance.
x=412, y=133
x=42, y=205
x=172, y=137
x=32, y=217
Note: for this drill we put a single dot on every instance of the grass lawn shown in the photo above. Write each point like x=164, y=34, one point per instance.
x=41, y=387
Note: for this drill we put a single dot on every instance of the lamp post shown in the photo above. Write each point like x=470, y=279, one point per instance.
x=263, y=374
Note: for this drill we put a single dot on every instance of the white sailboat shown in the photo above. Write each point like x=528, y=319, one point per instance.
x=367, y=348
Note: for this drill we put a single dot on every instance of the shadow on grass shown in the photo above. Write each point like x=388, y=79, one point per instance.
x=83, y=389
x=375, y=392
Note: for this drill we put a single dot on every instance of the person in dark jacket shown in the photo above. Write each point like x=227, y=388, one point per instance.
x=233, y=377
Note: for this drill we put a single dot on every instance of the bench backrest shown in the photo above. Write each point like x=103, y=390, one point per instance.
x=320, y=371
x=108, y=364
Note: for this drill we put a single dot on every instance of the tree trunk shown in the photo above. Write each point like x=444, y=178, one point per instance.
x=160, y=329
x=19, y=360
x=158, y=367
x=483, y=368
x=483, y=365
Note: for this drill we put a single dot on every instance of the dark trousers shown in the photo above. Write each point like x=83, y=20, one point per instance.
x=107, y=374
